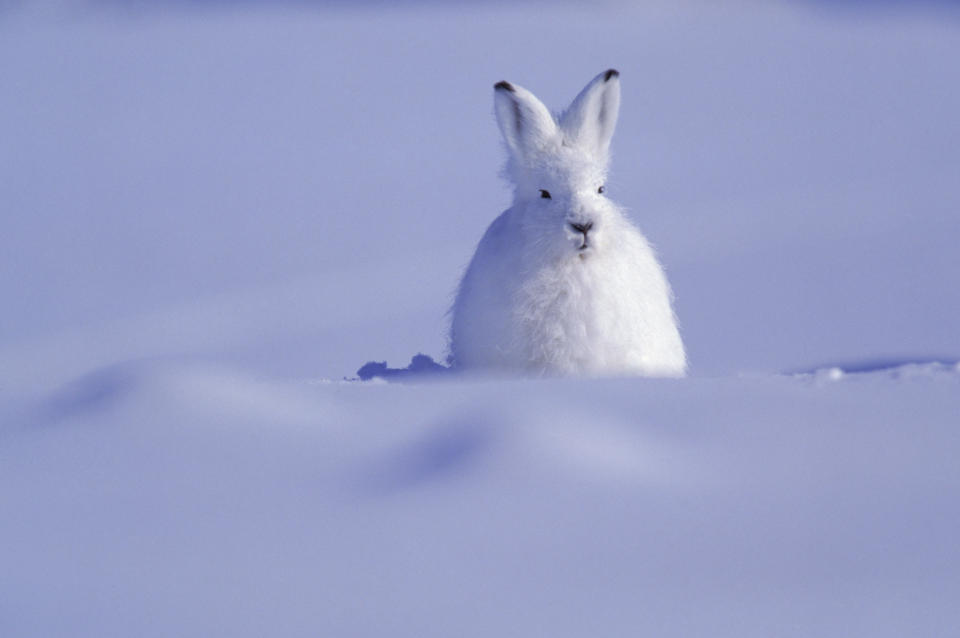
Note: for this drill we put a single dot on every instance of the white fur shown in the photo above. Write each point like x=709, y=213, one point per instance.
x=533, y=299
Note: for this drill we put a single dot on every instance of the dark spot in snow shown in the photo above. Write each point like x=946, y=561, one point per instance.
x=421, y=366
x=448, y=452
x=92, y=392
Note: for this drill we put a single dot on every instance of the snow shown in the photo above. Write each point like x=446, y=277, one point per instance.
x=155, y=499
x=214, y=215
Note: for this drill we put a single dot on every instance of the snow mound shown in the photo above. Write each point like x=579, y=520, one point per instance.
x=892, y=369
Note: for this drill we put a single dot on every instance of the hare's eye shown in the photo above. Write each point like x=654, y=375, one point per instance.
x=601, y=189
x=544, y=194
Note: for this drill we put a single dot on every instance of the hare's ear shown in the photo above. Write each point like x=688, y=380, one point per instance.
x=592, y=117
x=524, y=121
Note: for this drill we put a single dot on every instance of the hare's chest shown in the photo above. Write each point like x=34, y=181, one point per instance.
x=569, y=305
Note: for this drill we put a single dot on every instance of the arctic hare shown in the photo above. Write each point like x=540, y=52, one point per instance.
x=562, y=283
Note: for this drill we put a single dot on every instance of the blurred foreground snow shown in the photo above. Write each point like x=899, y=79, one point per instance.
x=158, y=500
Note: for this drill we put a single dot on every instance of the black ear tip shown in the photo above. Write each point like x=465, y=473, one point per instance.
x=611, y=73
x=504, y=85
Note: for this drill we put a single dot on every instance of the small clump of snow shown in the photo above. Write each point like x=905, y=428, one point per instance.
x=829, y=374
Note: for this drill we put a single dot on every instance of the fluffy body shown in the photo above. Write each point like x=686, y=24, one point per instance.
x=562, y=283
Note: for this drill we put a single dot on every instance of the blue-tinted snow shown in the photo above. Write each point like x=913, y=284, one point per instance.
x=211, y=216
x=197, y=501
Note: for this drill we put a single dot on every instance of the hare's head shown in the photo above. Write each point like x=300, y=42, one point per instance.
x=559, y=165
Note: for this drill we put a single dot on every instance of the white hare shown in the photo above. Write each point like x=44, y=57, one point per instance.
x=562, y=283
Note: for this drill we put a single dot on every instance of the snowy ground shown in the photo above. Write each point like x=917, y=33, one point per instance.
x=212, y=215
x=178, y=500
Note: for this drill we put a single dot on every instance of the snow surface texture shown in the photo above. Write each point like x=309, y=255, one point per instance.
x=203, y=209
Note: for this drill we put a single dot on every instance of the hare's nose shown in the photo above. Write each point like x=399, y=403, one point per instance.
x=582, y=228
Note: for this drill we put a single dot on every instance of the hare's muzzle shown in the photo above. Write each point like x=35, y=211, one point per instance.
x=584, y=229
